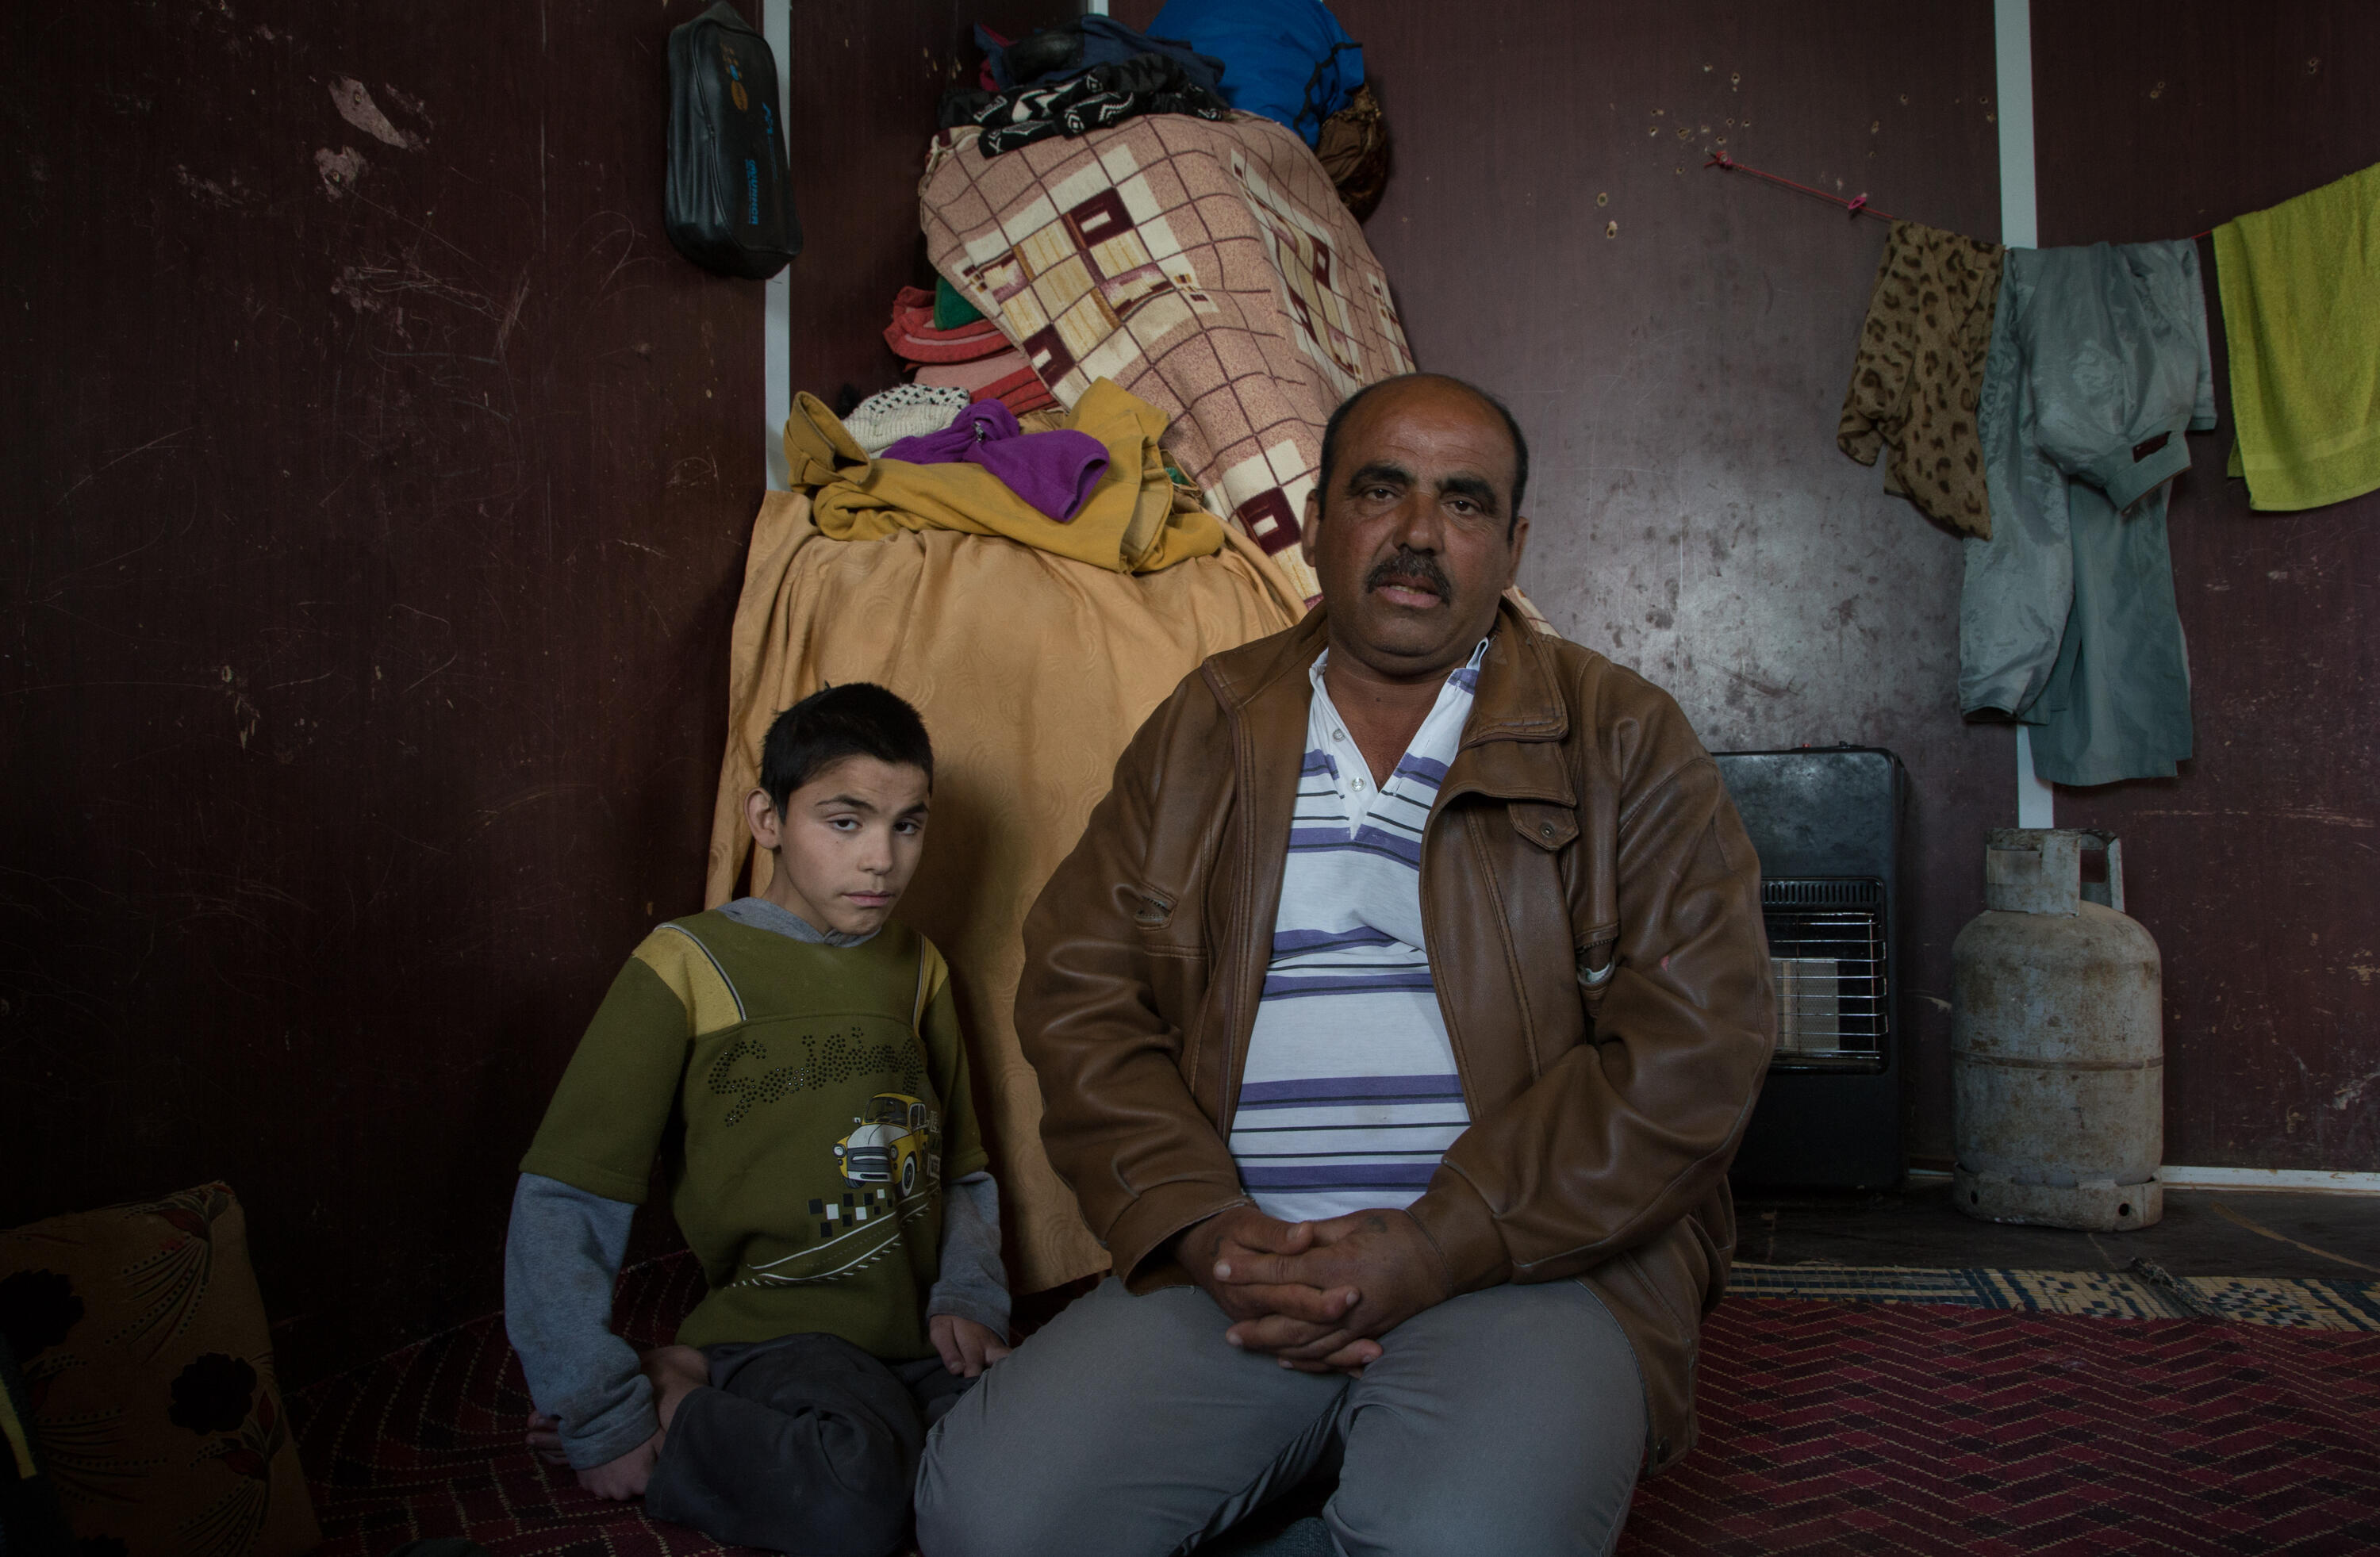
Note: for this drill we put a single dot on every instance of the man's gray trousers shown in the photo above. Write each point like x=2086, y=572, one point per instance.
x=1510, y=1421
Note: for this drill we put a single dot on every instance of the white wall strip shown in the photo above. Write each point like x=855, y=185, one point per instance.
x=2036, y=802
x=2019, y=228
x=2012, y=44
x=777, y=314
x=2300, y=1180
x=2296, y=1181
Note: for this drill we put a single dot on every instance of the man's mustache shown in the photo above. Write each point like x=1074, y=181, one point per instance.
x=1413, y=568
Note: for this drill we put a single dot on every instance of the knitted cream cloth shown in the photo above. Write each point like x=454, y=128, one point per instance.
x=909, y=411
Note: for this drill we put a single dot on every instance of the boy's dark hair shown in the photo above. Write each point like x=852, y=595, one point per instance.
x=855, y=719
x=1511, y=427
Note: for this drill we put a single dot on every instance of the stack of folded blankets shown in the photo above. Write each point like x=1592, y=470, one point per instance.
x=953, y=346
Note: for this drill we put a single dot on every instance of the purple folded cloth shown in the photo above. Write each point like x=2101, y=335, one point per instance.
x=1052, y=471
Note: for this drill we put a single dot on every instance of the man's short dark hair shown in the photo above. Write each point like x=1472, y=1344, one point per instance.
x=855, y=719
x=1512, y=427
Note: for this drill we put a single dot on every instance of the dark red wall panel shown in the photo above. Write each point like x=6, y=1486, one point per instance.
x=377, y=483
x=2258, y=868
x=1680, y=374
x=1676, y=343
x=378, y=480
x=867, y=75
x=379, y=476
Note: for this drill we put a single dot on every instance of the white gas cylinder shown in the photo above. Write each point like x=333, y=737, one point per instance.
x=2057, y=1042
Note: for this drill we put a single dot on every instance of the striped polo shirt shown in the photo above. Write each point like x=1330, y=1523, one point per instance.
x=1351, y=1093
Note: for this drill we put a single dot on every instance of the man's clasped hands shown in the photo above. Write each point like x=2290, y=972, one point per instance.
x=1317, y=1296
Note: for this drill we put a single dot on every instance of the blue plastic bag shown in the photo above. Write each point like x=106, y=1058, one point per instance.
x=1288, y=60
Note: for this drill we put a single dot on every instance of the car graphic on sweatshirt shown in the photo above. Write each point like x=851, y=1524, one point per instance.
x=898, y=1142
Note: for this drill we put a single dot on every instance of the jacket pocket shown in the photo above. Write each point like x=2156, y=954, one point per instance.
x=1175, y=962
x=1550, y=828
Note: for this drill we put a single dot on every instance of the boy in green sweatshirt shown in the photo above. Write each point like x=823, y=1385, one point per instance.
x=804, y=1053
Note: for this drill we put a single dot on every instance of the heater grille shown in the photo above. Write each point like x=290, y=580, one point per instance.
x=1827, y=952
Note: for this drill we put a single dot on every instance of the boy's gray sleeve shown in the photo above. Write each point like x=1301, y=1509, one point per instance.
x=562, y=1257
x=972, y=1285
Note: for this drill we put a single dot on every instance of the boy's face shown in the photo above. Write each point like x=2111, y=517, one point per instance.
x=846, y=843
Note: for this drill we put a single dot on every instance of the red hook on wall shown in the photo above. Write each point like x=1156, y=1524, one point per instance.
x=1857, y=206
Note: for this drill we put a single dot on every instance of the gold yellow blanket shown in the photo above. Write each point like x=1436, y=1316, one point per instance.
x=1032, y=670
x=1130, y=522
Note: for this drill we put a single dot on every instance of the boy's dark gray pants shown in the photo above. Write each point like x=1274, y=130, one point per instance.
x=803, y=1445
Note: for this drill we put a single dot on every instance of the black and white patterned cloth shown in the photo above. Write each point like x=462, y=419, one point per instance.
x=1105, y=95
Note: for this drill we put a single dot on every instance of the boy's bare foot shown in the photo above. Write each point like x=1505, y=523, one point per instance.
x=676, y=1372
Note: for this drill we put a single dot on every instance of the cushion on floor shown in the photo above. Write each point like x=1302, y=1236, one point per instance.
x=32, y=1522
x=148, y=1368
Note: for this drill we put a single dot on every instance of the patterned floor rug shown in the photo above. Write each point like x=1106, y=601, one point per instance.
x=1905, y=1427
x=1974, y=1416
x=427, y=1441
x=2140, y=1291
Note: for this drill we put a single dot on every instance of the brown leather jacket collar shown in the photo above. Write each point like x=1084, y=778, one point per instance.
x=1515, y=712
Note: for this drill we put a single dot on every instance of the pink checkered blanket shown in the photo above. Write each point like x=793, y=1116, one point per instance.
x=1208, y=268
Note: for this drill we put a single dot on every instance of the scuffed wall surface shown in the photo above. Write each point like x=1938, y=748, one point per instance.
x=378, y=480
x=2258, y=868
x=379, y=476
x=1676, y=343
x=867, y=75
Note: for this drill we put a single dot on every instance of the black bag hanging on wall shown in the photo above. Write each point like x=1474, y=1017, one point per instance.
x=730, y=201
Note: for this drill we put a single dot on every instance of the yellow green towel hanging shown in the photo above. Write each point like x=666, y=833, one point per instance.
x=2301, y=285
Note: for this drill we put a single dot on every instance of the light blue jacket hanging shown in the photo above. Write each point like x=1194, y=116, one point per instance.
x=2098, y=366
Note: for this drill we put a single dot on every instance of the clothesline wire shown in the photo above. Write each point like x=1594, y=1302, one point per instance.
x=1857, y=205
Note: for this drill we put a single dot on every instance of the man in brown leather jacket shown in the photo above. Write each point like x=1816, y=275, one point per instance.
x=1489, y=1355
